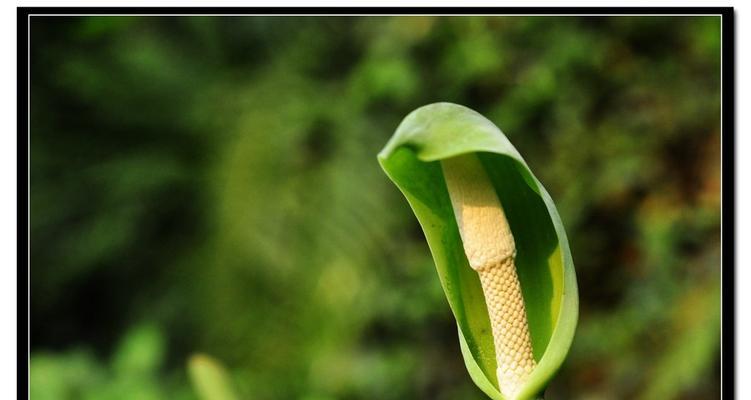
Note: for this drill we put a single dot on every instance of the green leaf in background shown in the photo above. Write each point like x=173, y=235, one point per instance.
x=141, y=352
x=544, y=264
x=210, y=379
x=134, y=371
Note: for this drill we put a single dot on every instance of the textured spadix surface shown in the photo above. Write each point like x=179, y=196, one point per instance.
x=412, y=159
x=490, y=249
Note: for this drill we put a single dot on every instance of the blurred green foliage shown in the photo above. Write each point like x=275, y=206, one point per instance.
x=210, y=379
x=133, y=372
x=205, y=184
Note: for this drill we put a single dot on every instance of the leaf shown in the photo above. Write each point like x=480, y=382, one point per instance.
x=544, y=264
x=141, y=352
x=209, y=378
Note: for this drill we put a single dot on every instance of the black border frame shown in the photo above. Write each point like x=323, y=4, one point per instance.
x=728, y=260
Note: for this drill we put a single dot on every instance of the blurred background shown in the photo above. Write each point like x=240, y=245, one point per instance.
x=210, y=185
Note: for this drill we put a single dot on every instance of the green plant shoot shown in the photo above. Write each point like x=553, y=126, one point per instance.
x=498, y=244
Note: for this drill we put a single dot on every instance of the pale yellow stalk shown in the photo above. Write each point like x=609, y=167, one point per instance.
x=490, y=249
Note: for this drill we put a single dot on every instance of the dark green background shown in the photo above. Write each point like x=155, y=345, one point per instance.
x=203, y=184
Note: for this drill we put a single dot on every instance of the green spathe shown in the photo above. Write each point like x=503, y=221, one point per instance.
x=544, y=264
